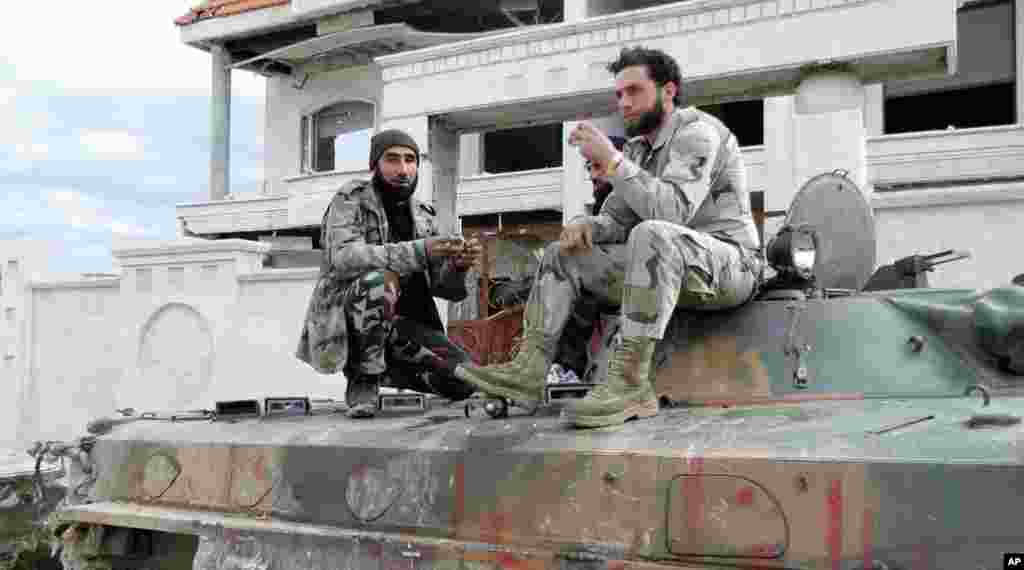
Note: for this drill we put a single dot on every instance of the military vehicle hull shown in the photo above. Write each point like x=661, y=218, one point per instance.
x=815, y=484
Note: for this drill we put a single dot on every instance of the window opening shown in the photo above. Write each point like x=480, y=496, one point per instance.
x=744, y=118
x=337, y=138
x=981, y=93
x=523, y=148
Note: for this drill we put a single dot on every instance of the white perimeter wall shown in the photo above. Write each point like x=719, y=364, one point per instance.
x=989, y=227
x=203, y=326
x=197, y=337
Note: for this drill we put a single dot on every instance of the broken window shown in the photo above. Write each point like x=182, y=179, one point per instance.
x=744, y=118
x=597, y=8
x=337, y=138
x=523, y=148
x=981, y=93
x=470, y=17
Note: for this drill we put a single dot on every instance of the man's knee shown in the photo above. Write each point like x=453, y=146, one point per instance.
x=375, y=291
x=654, y=231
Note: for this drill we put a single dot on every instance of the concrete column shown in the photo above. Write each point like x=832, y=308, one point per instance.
x=443, y=153
x=874, y=106
x=444, y=167
x=778, y=147
x=575, y=10
x=829, y=127
x=220, y=124
x=1018, y=15
x=470, y=146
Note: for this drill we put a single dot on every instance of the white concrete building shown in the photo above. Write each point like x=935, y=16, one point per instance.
x=920, y=101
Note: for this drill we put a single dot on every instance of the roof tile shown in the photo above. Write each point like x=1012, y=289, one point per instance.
x=221, y=8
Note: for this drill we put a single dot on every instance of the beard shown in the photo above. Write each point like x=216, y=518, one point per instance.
x=395, y=193
x=648, y=121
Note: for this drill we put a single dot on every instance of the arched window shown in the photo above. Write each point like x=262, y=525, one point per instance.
x=337, y=137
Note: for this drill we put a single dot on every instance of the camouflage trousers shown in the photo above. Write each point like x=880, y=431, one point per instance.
x=412, y=355
x=662, y=266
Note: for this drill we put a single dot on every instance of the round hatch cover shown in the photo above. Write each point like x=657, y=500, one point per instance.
x=835, y=208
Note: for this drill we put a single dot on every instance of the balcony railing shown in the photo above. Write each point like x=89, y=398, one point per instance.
x=510, y=192
x=935, y=158
x=903, y=161
x=542, y=189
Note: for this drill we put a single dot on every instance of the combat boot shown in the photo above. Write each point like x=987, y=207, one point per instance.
x=362, y=395
x=626, y=394
x=523, y=378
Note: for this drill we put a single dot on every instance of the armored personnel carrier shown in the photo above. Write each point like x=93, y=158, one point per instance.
x=825, y=424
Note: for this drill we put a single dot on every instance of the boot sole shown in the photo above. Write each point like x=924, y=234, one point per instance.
x=639, y=411
x=490, y=390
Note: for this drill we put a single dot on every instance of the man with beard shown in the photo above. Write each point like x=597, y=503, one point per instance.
x=676, y=230
x=372, y=314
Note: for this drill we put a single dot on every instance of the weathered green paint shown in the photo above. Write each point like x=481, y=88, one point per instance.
x=856, y=474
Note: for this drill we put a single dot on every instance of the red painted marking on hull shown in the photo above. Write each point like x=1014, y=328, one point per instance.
x=595, y=339
x=834, y=532
x=459, y=512
x=868, y=538
x=694, y=492
x=507, y=561
x=922, y=561
x=491, y=527
x=745, y=498
x=764, y=550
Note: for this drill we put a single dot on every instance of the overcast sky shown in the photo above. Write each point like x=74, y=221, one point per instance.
x=104, y=125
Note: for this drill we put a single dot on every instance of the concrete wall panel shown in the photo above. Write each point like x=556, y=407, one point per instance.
x=989, y=231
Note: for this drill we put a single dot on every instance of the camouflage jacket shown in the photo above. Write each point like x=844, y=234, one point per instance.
x=355, y=240
x=693, y=175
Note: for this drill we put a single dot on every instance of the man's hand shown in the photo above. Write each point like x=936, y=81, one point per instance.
x=443, y=247
x=472, y=254
x=594, y=145
x=576, y=238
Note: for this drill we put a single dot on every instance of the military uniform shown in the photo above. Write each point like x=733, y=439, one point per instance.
x=683, y=208
x=676, y=231
x=352, y=324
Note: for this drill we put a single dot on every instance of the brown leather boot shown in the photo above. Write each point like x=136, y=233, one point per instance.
x=627, y=393
x=523, y=378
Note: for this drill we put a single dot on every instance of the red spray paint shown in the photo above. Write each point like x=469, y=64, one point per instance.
x=834, y=532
